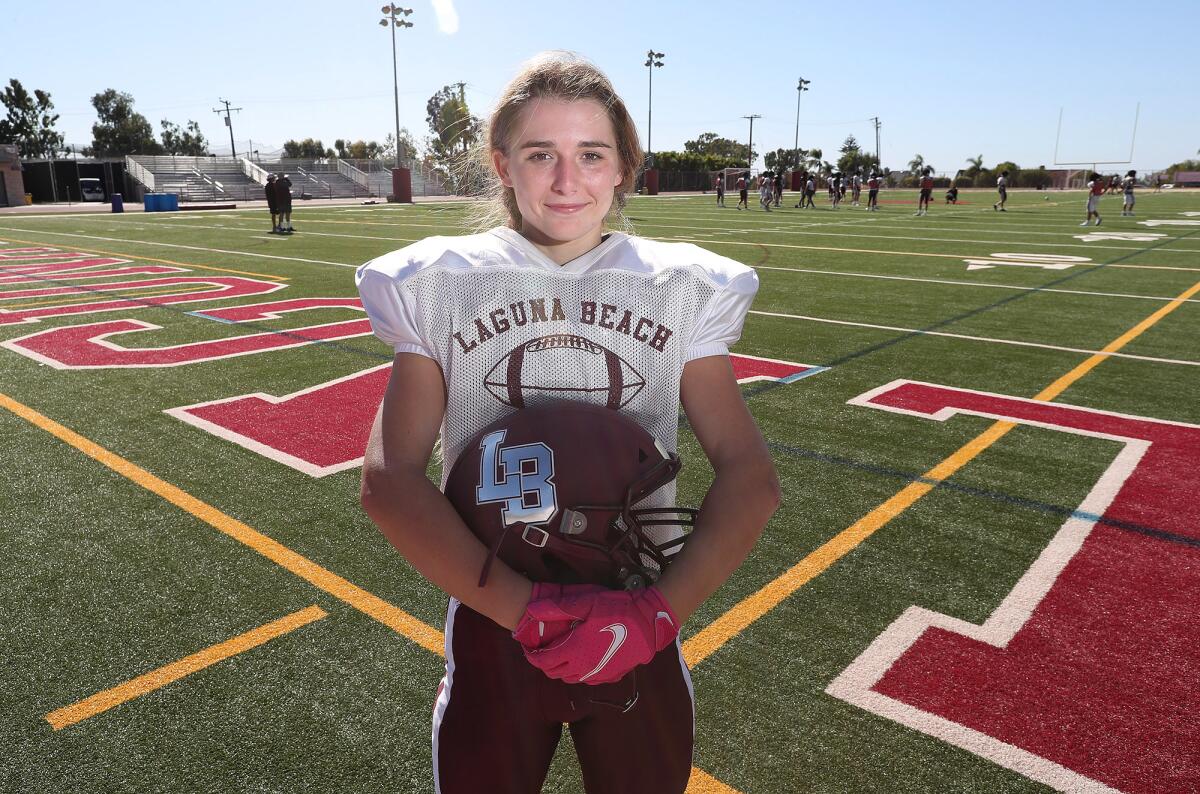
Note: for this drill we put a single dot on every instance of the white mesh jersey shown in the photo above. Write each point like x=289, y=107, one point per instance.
x=510, y=327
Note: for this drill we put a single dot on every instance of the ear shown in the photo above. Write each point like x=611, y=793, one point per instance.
x=500, y=163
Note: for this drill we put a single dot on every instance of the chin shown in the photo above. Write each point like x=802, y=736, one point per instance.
x=568, y=229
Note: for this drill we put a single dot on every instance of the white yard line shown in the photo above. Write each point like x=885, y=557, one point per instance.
x=973, y=284
x=986, y=339
x=127, y=241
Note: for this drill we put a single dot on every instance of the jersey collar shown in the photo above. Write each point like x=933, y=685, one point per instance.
x=579, y=264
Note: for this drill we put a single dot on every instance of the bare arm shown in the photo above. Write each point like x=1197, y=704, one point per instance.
x=743, y=495
x=412, y=513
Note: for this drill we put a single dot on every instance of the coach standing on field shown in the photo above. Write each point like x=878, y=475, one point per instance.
x=272, y=203
x=283, y=197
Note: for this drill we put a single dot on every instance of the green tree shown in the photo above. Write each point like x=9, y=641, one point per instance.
x=854, y=159
x=814, y=161
x=453, y=131
x=974, y=166
x=709, y=143
x=917, y=165
x=120, y=130
x=1182, y=165
x=307, y=149
x=784, y=159
x=690, y=161
x=30, y=123
x=188, y=141
x=408, y=147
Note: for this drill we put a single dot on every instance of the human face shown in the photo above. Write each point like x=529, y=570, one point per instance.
x=563, y=165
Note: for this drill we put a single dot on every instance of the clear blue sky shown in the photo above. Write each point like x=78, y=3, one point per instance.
x=948, y=79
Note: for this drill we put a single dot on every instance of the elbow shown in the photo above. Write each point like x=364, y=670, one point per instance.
x=376, y=490
x=773, y=492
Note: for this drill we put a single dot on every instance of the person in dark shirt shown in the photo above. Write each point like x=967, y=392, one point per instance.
x=283, y=195
x=272, y=203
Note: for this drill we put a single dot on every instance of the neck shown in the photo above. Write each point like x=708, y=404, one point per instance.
x=559, y=251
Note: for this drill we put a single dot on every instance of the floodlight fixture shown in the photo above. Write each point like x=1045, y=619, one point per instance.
x=653, y=59
x=801, y=87
x=392, y=11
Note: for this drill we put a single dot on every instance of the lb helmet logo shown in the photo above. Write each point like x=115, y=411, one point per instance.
x=521, y=477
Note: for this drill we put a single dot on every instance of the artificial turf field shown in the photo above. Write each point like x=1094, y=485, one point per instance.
x=983, y=577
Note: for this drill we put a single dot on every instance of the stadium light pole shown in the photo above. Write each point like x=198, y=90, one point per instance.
x=653, y=60
x=750, y=151
x=801, y=87
x=393, y=19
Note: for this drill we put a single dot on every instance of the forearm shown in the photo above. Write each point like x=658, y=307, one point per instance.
x=735, y=510
x=418, y=520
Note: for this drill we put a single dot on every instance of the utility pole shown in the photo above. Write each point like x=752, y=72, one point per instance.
x=653, y=59
x=462, y=101
x=878, y=160
x=750, y=154
x=801, y=87
x=228, y=123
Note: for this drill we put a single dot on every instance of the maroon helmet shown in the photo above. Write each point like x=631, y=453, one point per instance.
x=552, y=491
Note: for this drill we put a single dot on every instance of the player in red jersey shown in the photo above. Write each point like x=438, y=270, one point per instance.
x=550, y=304
x=926, y=192
x=1096, y=187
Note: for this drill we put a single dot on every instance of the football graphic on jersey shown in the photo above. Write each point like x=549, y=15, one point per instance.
x=563, y=366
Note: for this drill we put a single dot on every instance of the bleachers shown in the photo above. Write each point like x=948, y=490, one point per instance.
x=200, y=179
x=209, y=179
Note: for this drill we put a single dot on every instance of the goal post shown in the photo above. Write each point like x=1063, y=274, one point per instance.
x=730, y=176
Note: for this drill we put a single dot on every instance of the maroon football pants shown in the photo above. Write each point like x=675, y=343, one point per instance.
x=498, y=719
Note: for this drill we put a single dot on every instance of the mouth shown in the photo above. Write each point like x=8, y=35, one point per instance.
x=565, y=209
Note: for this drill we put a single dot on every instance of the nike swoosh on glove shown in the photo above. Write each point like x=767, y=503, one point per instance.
x=541, y=624
x=617, y=630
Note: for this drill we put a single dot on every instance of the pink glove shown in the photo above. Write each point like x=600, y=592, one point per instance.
x=610, y=633
x=536, y=629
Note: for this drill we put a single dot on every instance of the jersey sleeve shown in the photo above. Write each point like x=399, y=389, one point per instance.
x=719, y=324
x=392, y=310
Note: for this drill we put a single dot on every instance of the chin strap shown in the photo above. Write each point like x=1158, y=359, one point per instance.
x=493, y=551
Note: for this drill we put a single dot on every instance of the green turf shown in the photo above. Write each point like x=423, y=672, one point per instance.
x=105, y=581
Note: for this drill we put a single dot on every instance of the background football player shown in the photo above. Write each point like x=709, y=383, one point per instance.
x=562, y=153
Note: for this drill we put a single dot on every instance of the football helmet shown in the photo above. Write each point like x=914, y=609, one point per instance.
x=553, y=491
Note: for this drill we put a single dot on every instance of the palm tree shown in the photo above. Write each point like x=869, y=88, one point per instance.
x=814, y=159
x=916, y=164
x=976, y=164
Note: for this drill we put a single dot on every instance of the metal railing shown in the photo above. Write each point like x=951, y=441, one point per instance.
x=352, y=173
x=254, y=171
x=138, y=172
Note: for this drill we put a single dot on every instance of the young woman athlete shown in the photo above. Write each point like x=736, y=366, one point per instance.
x=563, y=152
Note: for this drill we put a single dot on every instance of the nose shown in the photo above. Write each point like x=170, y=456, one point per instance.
x=566, y=176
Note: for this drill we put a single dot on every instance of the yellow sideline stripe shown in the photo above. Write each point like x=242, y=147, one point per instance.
x=92, y=297
x=709, y=639
x=391, y=616
x=169, y=674
x=153, y=259
x=703, y=783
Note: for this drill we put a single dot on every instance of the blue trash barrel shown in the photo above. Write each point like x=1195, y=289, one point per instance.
x=170, y=202
x=118, y=202
x=150, y=202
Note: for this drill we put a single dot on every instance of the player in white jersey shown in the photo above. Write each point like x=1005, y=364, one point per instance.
x=1096, y=187
x=1002, y=189
x=766, y=191
x=550, y=306
x=1127, y=185
x=855, y=188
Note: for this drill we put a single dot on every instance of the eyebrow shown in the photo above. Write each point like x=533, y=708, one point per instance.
x=551, y=145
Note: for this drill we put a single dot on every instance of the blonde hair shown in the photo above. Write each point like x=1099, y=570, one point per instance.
x=561, y=75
